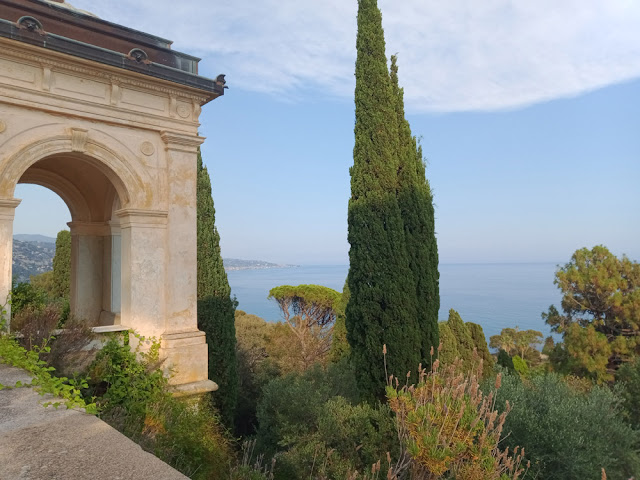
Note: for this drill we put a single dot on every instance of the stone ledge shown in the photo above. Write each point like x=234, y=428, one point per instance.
x=38, y=443
x=195, y=388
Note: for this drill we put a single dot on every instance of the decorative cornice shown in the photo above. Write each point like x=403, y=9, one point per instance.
x=134, y=217
x=9, y=202
x=94, y=229
x=110, y=77
x=173, y=140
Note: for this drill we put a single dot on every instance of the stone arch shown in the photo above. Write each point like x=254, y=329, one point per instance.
x=67, y=191
x=114, y=159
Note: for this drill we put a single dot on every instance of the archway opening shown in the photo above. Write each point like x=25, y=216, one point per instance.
x=91, y=198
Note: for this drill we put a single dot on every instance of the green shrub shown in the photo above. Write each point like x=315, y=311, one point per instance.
x=568, y=434
x=520, y=365
x=449, y=429
x=313, y=422
x=345, y=439
x=134, y=397
x=629, y=377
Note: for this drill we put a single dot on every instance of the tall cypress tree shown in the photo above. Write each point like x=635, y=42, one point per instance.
x=216, y=308
x=382, y=306
x=62, y=265
x=416, y=208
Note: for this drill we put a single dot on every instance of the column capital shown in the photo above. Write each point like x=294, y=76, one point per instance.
x=8, y=208
x=182, y=142
x=95, y=229
x=133, y=217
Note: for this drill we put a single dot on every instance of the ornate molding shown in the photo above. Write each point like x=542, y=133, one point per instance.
x=79, y=139
x=135, y=217
x=92, y=229
x=173, y=140
x=46, y=78
x=147, y=148
x=122, y=79
x=9, y=202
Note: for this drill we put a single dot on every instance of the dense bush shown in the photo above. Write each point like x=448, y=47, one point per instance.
x=568, y=434
x=314, y=423
x=449, y=429
x=134, y=397
x=629, y=377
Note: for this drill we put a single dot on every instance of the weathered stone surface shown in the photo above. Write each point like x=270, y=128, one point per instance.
x=38, y=443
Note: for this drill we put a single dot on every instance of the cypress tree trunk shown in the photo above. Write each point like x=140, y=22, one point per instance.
x=381, y=309
x=416, y=208
x=216, y=308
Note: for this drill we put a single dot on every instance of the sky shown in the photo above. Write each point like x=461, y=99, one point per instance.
x=529, y=115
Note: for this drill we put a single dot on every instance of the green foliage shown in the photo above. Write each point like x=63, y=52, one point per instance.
x=520, y=365
x=459, y=339
x=480, y=344
x=313, y=420
x=382, y=307
x=25, y=295
x=523, y=343
x=340, y=348
x=215, y=306
x=43, y=378
x=61, y=277
x=585, y=352
x=549, y=345
x=449, y=429
x=415, y=201
x=629, y=378
x=462, y=334
x=213, y=318
x=569, y=434
x=505, y=361
x=448, y=351
x=601, y=291
x=310, y=311
x=134, y=397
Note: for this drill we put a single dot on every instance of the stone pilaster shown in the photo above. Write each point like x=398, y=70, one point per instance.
x=182, y=343
x=143, y=296
x=87, y=272
x=7, y=214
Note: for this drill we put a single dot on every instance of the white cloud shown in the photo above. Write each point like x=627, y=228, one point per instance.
x=454, y=55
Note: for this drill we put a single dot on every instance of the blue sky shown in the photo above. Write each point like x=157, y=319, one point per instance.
x=529, y=117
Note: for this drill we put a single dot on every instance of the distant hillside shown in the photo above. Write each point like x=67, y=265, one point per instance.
x=32, y=258
x=33, y=254
x=28, y=237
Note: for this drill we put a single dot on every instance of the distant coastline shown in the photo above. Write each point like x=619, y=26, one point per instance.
x=33, y=254
x=233, y=264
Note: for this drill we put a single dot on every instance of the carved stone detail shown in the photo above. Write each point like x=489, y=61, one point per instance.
x=46, y=78
x=139, y=55
x=79, y=139
x=86, y=70
x=3, y=126
x=147, y=148
x=116, y=93
x=183, y=110
x=31, y=24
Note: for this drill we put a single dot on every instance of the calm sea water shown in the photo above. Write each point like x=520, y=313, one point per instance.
x=493, y=295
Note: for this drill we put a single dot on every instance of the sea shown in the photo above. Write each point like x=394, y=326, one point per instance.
x=496, y=295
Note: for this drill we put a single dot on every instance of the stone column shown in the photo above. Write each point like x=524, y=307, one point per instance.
x=182, y=343
x=143, y=258
x=87, y=252
x=7, y=213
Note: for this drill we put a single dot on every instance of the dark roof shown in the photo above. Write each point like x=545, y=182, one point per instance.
x=57, y=28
